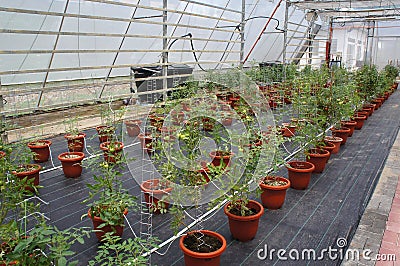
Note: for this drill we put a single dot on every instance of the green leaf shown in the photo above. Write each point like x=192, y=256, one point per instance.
x=62, y=261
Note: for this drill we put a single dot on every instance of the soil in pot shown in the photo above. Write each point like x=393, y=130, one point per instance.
x=133, y=127
x=198, y=254
x=153, y=193
x=100, y=232
x=41, y=150
x=31, y=173
x=75, y=142
x=319, y=158
x=71, y=163
x=342, y=132
x=244, y=228
x=300, y=174
x=274, y=191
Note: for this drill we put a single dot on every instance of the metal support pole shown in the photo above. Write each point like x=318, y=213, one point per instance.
x=369, y=44
x=4, y=136
x=372, y=43
x=285, y=41
x=242, y=26
x=329, y=43
x=165, y=47
x=52, y=55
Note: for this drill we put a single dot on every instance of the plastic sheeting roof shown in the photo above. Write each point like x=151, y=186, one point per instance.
x=374, y=10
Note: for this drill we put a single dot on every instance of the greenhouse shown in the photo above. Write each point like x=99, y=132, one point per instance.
x=186, y=132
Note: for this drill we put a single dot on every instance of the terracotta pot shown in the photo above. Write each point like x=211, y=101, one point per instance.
x=218, y=156
x=382, y=99
x=300, y=174
x=133, y=127
x=386, y=95
x=193, y=258
x=273, y=197
x=177, y=117
x=227, y=121
x=368, y=110
x=100, y=232
x=289, y=130
x=75, y=142
x=273, y=104
x=146, y=141
x=350, y=125
x=153, y=194
x=360, y=121
x=205, y=173
x=112, y=155
x=244, y=228
x=377, y=103
x=337, y=141
x=41, y=150
x=156, y=120
x=234, y=101
x=319, y=158
x=370, y=107
x=105, y=133
x=362, y=113
x=328, y=147
x=342, y=132
x=208, y=124
x=32, y=176
x=71, y=163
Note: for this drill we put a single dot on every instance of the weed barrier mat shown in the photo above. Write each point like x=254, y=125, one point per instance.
x=316, y=218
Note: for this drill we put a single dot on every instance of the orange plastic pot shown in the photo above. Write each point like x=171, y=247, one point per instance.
x=319, y=158
x=219, y=156
x=350, y=125
x=337, y=141
x=360, y=121
x=133, y=127
x=71, y=163
x=153, y=194
x=299, y=174
x=342, y=132
x=41, y=151
x=32, y=176
x=244, y=228
x=75, y=142
x=273, y=197
x=112, y=156
x=100, y=232
x=193, y=258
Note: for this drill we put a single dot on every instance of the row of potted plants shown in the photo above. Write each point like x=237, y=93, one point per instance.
x=319, y=91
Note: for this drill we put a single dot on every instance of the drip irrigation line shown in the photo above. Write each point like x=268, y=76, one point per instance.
x=192, y=46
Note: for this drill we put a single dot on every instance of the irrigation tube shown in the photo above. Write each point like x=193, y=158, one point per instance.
x=91, y=156
x=222, y=203
x=180, y=233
